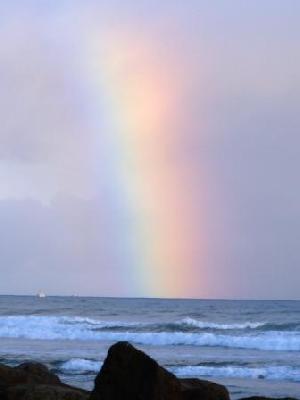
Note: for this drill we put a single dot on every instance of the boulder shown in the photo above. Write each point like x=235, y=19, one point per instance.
x=130, y=374
x=27, y=373
x=34, y=381
x=44, y=392
x=196, y=389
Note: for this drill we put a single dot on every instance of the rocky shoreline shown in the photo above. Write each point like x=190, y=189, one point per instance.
x=127, y=374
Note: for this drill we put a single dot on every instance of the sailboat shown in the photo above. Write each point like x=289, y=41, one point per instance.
x=41, y=294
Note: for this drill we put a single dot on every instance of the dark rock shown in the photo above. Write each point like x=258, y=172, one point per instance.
x=2, y=392
x=27, y=373
x=34, y=381
x=129, y=374
x=197, y=389
x=45, y=392
x=39, y=373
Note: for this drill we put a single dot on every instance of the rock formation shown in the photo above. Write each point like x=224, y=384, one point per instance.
x=34, y=381
x=130, y=374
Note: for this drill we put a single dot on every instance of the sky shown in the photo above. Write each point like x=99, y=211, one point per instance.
x=150, y=148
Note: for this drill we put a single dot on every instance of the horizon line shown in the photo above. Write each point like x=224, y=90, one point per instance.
x=150, y=298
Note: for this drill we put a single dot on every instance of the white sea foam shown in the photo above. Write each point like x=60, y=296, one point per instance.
x=51, y=322
x=81, y=365
x=211, y=325
x=70, y=328
x=268, y=372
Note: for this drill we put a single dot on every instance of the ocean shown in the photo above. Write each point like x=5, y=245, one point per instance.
x=253, y=347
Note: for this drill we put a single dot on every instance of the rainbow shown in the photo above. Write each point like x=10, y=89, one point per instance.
x=139, y=94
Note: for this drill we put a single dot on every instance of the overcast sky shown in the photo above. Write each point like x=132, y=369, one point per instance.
x=217, y=87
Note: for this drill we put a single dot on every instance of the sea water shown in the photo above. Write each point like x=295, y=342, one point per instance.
x=253, y=347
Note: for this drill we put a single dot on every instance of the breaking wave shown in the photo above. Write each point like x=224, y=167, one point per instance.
x=211, y=325
x=265, y=372
x=82, y=329
x=81, y=365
